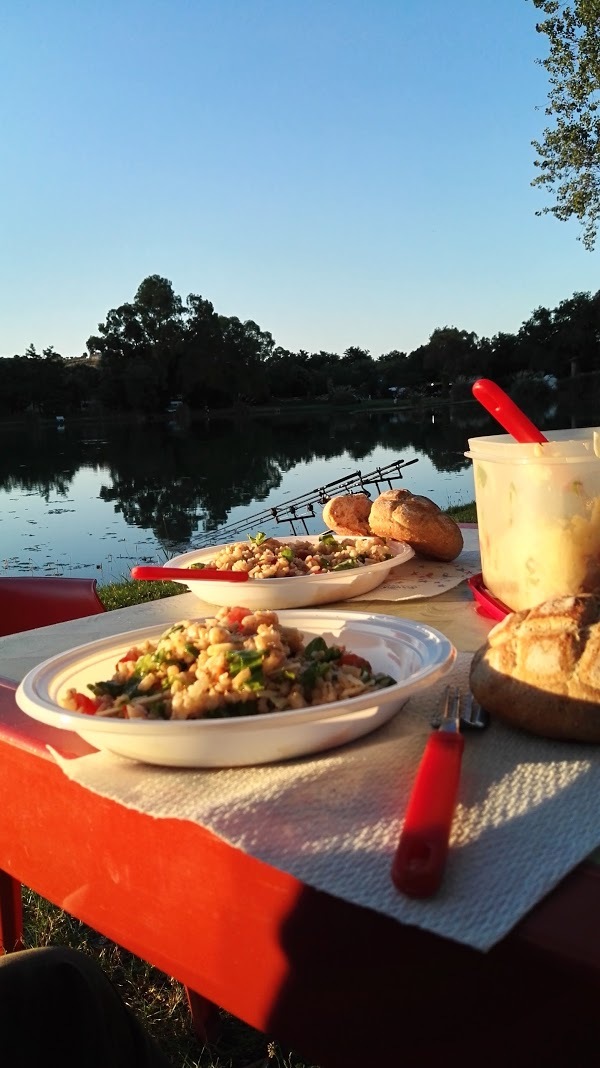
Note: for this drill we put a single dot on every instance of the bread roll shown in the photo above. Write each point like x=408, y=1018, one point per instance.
x=348, y=515
x=540, y=669
x=404, y=516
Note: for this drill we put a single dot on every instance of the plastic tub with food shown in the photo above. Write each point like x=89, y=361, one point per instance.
x=538, y=511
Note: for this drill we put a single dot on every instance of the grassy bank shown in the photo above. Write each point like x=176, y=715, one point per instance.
x=155, y=998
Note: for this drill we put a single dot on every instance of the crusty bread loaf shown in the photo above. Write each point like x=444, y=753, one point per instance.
x=404, y=516
x=398, y=515
x=348, y=514
x=540, y=669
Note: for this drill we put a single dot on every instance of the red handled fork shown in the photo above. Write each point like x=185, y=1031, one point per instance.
x=420, y=857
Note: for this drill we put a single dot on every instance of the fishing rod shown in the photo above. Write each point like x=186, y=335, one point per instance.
x=301, y=508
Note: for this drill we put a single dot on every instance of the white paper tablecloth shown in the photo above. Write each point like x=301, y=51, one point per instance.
x=428, y=578
x=528, y=813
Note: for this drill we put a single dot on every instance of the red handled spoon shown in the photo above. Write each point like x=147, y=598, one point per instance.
x=506, y=412
x=187, y=574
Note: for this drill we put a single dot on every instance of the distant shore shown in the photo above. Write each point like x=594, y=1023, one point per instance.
x=245, y=411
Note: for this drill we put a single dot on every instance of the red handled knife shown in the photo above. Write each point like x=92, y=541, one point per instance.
x=420, y=857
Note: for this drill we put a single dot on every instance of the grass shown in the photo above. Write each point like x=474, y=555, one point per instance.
x=158, y=1000
x=463, y=513
x=129, y=592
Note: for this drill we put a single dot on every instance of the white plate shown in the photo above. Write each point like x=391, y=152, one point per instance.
x=412, y=653
x=300, y=592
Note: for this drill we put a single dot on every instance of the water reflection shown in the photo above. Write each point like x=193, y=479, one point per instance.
x=173, y=483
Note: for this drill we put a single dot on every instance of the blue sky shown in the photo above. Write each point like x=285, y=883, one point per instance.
x=343, y=173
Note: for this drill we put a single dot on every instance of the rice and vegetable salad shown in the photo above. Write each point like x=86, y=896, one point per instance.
x=264, y=557
x=238, y=663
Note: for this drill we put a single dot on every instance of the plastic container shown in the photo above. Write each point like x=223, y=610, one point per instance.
x=538, y=510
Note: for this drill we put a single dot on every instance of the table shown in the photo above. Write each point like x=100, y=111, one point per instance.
x=345, y=986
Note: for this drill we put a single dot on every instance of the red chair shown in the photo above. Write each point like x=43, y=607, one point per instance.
x=27, y=603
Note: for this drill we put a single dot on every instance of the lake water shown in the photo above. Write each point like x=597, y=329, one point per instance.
x=96, y=499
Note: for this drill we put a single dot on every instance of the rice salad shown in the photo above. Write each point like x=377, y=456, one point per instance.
x=264, y=558
x=237, y=663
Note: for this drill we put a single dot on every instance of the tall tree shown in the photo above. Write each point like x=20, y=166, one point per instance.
x=357, y=370
x=17, y=381
x=288, y=373
x=245, y=349
x=139, y=344
x=450, y=352
x=199, y=372
x=577, y=326
x=569, y=152
x=537, y=350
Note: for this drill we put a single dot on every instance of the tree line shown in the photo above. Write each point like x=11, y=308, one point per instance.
x=158, y=347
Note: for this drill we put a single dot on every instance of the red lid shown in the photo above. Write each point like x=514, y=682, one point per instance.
x=487, y=603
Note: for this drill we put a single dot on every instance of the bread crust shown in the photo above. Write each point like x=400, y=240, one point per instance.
x=405, y=516
x=539, y=669
x=348, y=514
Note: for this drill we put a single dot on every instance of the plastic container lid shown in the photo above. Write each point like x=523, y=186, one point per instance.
x=563, y=446
x=487, y=604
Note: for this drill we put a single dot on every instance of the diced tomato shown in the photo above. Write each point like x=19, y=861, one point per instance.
x=235, y=615
x=355, y=661
x=131, y=655
x=86, y=704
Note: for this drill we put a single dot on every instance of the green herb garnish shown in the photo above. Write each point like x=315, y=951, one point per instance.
x=333, y=653
x=238, y=659
x=158, y=710
x=116, y=689
x=382, y=680
x=314, y=671
x=329, y=539
x=246, y=708
x=317, y=645
x=145, y=663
